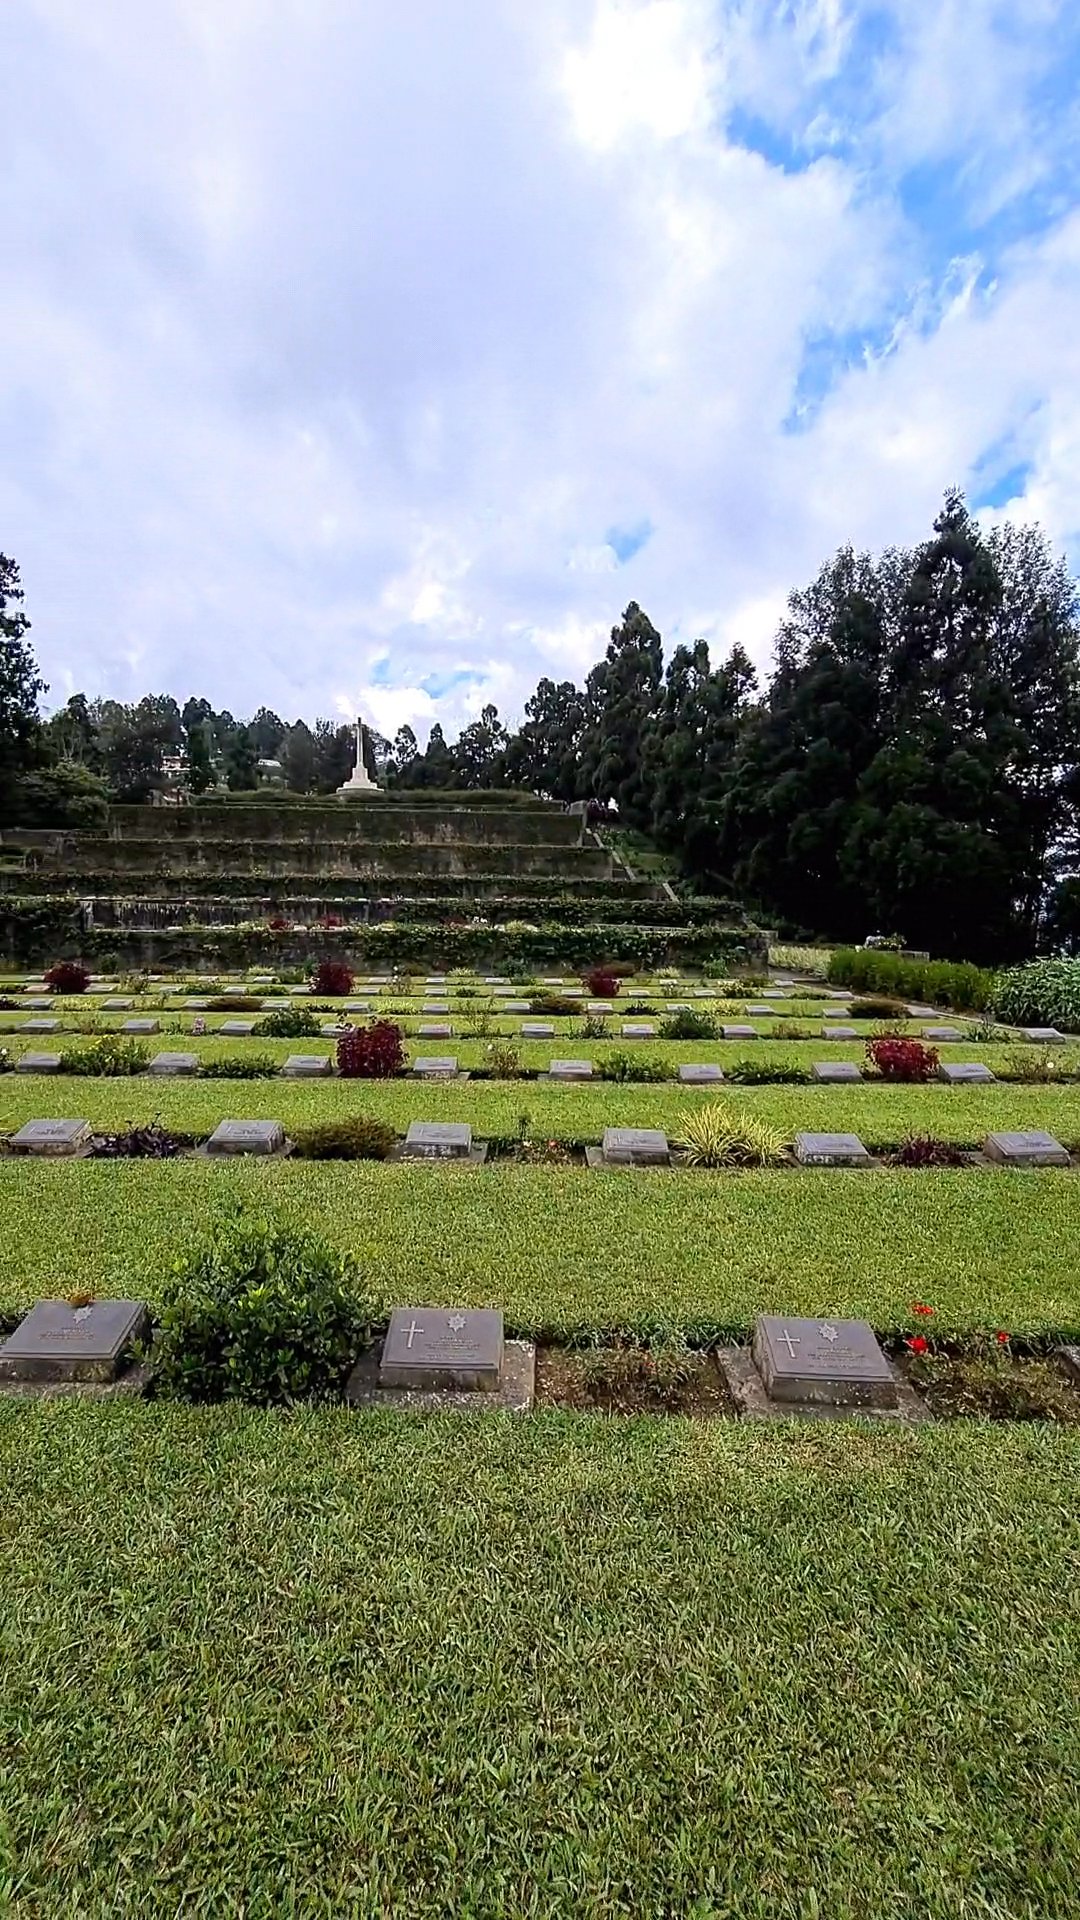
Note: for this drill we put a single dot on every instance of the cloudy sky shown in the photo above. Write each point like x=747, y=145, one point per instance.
x=378, y=352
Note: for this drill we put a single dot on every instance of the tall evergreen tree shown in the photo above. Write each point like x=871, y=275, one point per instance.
x=20, y=688
x=621, y=697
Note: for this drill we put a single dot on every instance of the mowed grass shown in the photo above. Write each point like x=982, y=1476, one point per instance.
x=570, y=1251
x=495, y=1109
x=342, y=1664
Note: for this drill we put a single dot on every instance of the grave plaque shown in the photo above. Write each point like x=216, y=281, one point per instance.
x=829, y=1362
x=834, y=1071
x=40, y=1026
x=638, y=1031
x=247, y=1136
x=51, y=1136
x=435, y=1067
x=700, y=1074
x=760, y=1007
x=40, y=1003
x=830, y=1150
x=739, y=1033
x=307, y=1066
x=427, y=1350
x=839, y=1033
x=635, y=1147
x=921, y=1013
x=438, y=1140
x=942, y=1033
x=236, y=1029
x=962, y=1072
x=117, y=1004
x=140, y=1026
x=599, y=1006
x=358, y=1006
x=516, y=1006
x=196, y=1006
x=537, y=1030
x=57, y=1342
x=1025, y=1150
x=174, y=1063
x=571, y=1070
x=1042, y=1036
x=435, y=1006
x=774, y=993
x=436, y=1031
x=38, y=1063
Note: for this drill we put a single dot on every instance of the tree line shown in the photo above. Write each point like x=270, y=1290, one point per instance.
x=911, y=765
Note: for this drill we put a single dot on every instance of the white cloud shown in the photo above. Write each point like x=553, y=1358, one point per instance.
x=338, y=338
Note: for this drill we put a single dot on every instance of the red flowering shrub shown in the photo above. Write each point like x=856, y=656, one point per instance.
x=898, y=1059
x=68, y=976
x=922, y=1150
x=917, y=1344
x=330, y=921
x=332, y=976
x=278, y=925
x=376, y=1052
x=602, y=983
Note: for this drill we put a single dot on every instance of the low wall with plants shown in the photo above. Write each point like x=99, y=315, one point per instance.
x=268, y=859
x=369, y=822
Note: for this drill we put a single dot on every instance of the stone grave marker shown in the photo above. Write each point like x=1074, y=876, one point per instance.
x=236, y=1029
x=437, y=1140
x=740, y=1033
x=700, y=1074
x=52, y=1137
x=638, y=1030
x=827, y=1362
x=333, y=1029
x=921, y=1013
x=516, y=1006
x=537, y=1030
x=942, y=1033
x=38, y=1063
x=435, y=1006
x=141, y=1026
x=118, y=1003
x=431, y=1349
x=247, y=1136
x=308, y=1066
x=573, y=993
x=171, y=1063
x=435, y=1067
x=40, y=1026
x=1042, y=1036
x=773, y=993
x=834, y=1071
x=571, y=1070
x=550, y=980
x=958, y=1073
x=39, y=1002
x=635, y=1147
x=58, y=1342
x=436, y=1030
x=1025, y=1150
x=760, y=1007
x=357, y=1006
x=830, y=1150
x=839, y=1033
x=196, y=1006
x=599, y=1006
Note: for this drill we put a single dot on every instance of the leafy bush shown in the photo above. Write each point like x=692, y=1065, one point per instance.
x=333, y=977
x=1041, y=1067
x=360, y=1137
x=942, y=983
x=260, y=1311
x=594, y=1026
x=288, y=1023
x=479, y=1022
x=555, y=1005
x=239, y=1066
x=113, y=1056
x=603, y=983
x=235, y=1003
x=1045, y=993
x=719, y=1136
x=662, y=1365
x=898, y=1058
x=638, y=1006
x=767, y=1073
x=502, y=1060
x=689, y=1024
x=137, y=1143
x=68, y=976
x=923, y=1150
x=624, y=1066
x=374, y=1052
x=791, y=1030
x=877, y=1010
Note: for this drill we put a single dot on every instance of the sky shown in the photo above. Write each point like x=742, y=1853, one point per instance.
x=374, y=357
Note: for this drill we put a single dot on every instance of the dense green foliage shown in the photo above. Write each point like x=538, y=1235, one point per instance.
x=946, y=983
x=387, y=1666
x=1045, y=993
x=260, y=1310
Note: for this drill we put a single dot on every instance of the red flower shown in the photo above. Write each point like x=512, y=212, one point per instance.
x=917, y=1307
x=917, y=1344
x=1002, y=1339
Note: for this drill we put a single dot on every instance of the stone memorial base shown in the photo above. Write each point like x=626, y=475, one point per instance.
x=702, y=1075
x=835, y=1072
x=753, y=1402
x=1026, y=1150
x=434, y=1359
x=630, y=1147
x=831, y=1150
x=58, y=1344
x=449, y=1142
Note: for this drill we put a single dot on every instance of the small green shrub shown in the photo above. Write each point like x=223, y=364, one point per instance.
x=719, y=1136
x=625, y=1066
x=767, y=1073
x=594, y=1027
x=261, y=1311
x=288, y=1023
x=877, y=1010
x=1044, y=993
x=361, y=1137
x=113, y=1056
x=554, y=1005
x=941, y=983
x=689, y=1024
x=502, y=1060
x=234, y=1003
x=240, y=1066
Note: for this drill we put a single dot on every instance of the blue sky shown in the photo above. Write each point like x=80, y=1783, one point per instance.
x=377, y=356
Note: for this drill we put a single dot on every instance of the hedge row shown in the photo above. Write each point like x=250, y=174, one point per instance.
x=948, y=983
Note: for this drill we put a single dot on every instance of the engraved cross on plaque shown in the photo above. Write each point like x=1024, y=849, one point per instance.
x=412, y=1332
x=790, y=1344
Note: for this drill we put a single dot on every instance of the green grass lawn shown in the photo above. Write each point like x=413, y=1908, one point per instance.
x=340, y=1664
x=569, y=1251
x=494, y=1108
